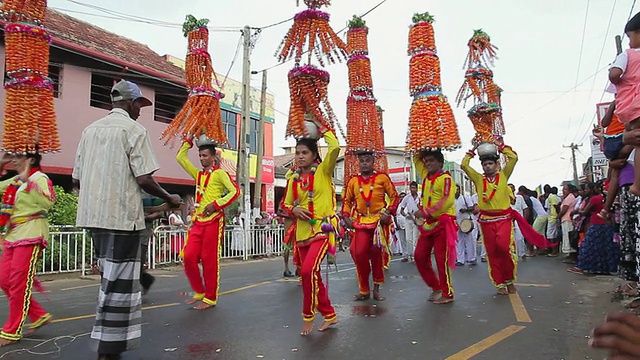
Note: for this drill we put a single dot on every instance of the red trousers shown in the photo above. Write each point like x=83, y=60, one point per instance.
x=434, y=241
x=205, y=241
x=500, y=243
x=367, y=257
x=314, y=294
x=17, y=274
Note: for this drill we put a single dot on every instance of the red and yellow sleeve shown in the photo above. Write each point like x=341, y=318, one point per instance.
x=512, y=159
x=394, y=199
x=349, y=199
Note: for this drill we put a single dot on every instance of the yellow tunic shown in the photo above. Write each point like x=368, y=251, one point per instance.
x=323, y=194
x=499, y=186
x=438, y=194
x=220, y=190
x=28, y=224
x=384, y=197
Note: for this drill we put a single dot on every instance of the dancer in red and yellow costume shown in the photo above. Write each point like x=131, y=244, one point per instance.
x=207, y=232
x=310, y=199
x=26, y=199
x=438, y=231
x=365, y=209
x=497, y=216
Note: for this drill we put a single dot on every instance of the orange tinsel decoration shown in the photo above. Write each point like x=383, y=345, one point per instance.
x=381, y=164
x=357, y=41
x=201, y=113
x=30, y=119
x=308, y=88
x=431, y=121
x=481, y=50
x=311, y=26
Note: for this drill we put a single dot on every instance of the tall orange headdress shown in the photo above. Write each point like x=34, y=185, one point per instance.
x=29, y=115
x=308, y=85
x=201, y=113
x=431, y=121
x=486, y=112
x=364, y=121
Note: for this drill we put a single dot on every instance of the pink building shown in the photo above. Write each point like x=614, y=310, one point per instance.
x=84, y=63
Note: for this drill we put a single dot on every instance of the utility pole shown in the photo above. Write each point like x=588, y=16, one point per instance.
x=573, y=148
x=242, y=169
x=257, y=199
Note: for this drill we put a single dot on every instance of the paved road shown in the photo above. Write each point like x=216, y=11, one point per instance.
x=258, y=316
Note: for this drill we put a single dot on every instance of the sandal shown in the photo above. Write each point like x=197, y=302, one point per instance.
x=361, y=297
x=443, y=300
x=575, y=270
x=635, y=304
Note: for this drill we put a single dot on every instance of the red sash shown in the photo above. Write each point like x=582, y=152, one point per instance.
x=527, y=230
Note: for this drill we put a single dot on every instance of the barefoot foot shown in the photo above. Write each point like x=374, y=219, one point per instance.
x=191, y=301
x=435, y=295
x=376, y=294
x=34, y=329
x=5, y=342
x=203, y=306
x=326, y=324
x=503, y=291
x=307, y=327
x=443, y=300
x=361, y=297
x=511, y=289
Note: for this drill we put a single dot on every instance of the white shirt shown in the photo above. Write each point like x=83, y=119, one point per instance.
x=112, y=153
x=409, y=204
x=537, y=207
x=621, y=61
x=463, y=202
x=520, y=204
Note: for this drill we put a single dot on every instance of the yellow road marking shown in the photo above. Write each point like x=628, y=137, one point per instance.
x=244, y=288
x=80, y=287
x=486, y=343
x=163, y=305
x=518, y=308
x=534, y=285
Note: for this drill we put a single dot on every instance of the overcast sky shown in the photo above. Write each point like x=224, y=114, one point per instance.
x=540, y=63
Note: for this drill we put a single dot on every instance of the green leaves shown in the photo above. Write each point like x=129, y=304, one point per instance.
x=418, y=17
x=479, y=33
x=357, y=23
x=191, y=23
x=64, y=209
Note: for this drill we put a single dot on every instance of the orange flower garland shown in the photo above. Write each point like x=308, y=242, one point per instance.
x=311, y=26
x=30, y=119
x=363, y=119
x=486, y=114
x=201, y=113
x=381, y=164
x=431, y=121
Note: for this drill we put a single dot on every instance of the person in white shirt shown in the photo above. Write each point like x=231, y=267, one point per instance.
x=467, y=241
x=409, y=206
x=483, y=250
x=396, y=246
x=519, y=205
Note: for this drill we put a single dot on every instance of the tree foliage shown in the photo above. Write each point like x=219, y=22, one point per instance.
x=65, y=208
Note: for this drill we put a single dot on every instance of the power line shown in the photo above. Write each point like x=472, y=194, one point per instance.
x=338, y=32
x=584, y=33
x=593, y=84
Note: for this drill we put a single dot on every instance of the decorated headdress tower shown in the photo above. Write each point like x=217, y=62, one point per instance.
x=486, y=112
x=431, y=122
x=308, y=85
x=29, y=116
x=364, y=120
x=200, y=115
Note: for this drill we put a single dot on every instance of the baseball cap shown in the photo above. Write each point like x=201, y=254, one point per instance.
x=126, y=90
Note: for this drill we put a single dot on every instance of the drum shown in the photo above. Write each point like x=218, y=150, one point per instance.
x=466, y=226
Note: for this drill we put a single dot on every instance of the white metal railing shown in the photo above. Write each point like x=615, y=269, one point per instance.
x=71, y=250
x=165, y=246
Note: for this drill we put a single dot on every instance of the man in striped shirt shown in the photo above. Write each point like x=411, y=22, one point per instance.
x=114, y=161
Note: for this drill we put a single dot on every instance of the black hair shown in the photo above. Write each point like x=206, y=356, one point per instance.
x=554, y=190
x=633, y=24
x=37, y=158
x=572, y=188
x=413, y=183
x=523, y=189
x=591, y=185
x=402, y=193
x=436, y=154
x=533, y=193
x=312, y=145
x=491, y=157
x=211, y=148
